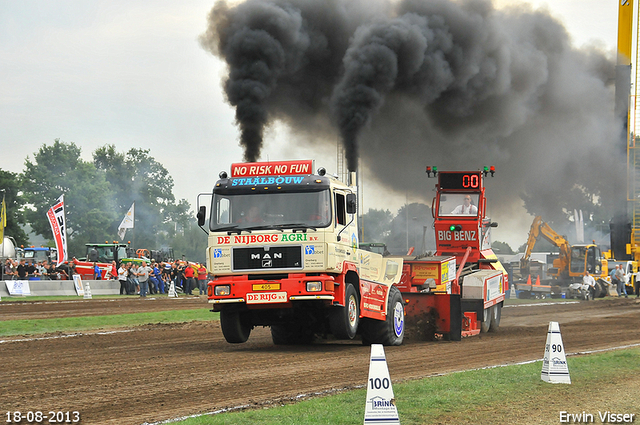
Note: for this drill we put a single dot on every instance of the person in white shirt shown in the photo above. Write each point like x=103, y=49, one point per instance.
x=589, y=284
x=123, y=273
x=467, y=208
x=622, y=280
x=143, y=279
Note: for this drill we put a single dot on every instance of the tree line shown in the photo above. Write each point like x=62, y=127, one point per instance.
x=97, y=195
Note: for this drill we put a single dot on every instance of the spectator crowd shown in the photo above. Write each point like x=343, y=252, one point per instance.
x=135, y=279
x=146, y=279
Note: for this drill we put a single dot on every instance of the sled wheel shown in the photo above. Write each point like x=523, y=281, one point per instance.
x=344, y=320
x=391, y=330
x=235, y=325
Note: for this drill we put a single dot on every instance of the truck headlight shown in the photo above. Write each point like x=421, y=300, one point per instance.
x=221, y=290
x=314, y=286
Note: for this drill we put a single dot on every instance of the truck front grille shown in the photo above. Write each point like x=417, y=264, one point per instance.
x=267, y=258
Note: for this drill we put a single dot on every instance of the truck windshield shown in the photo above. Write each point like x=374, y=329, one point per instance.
x=270, y=210
x=105, y=254
x=578, y=255
x=458, y=204
x=39, y=255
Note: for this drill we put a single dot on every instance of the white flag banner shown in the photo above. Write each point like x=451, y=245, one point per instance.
x=127, y=222
x=579, y=226
x=59, y=228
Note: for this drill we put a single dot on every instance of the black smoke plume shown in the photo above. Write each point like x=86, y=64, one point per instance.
x=458, y=84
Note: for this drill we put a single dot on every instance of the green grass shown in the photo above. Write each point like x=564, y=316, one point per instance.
x=474, y=397
x=72, y=324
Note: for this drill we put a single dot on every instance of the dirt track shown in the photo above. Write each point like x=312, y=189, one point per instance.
x=156, y=372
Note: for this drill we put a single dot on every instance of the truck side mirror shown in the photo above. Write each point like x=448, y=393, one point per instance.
x=202, y=213
x=351, y=203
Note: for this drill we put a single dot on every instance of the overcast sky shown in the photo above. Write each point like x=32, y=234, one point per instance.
x=132, y=74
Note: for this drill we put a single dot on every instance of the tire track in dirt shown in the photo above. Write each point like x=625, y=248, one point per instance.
x=166, y=371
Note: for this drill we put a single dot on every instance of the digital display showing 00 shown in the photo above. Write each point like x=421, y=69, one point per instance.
x=456, y=181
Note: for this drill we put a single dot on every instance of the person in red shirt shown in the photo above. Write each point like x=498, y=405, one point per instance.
x=202, y=279
x=113, y=273
x=188, y=276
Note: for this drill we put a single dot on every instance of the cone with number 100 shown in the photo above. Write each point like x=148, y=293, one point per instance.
x=381, y=404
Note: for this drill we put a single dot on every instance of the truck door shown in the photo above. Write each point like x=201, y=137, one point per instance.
x=345, y=221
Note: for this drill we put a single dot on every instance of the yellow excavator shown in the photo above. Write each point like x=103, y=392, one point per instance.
x=572, y=262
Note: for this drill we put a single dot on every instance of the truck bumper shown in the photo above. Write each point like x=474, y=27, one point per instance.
x=278, y=292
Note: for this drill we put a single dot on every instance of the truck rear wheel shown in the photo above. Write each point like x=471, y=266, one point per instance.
x=486, y=320
x=235, y=325
x=391, y=330
x=344, y=320
x=496, y=314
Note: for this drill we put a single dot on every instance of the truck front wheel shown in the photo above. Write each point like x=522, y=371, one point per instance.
x=389, y=331
x=235, y=325
x=344, y=320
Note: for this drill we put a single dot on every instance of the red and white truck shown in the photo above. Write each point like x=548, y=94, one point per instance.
x=284, y=252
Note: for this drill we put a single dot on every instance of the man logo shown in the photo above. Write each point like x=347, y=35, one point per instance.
x=267, y=263
x=266, y=256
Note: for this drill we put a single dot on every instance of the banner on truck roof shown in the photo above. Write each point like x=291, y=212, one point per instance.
x=272, y=168
x=58, y=227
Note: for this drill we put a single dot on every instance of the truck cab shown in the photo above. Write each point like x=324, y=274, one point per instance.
x=36, y=254
x=283, y=248
x=107, y=252
x=586, y=258
x=460, y=221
